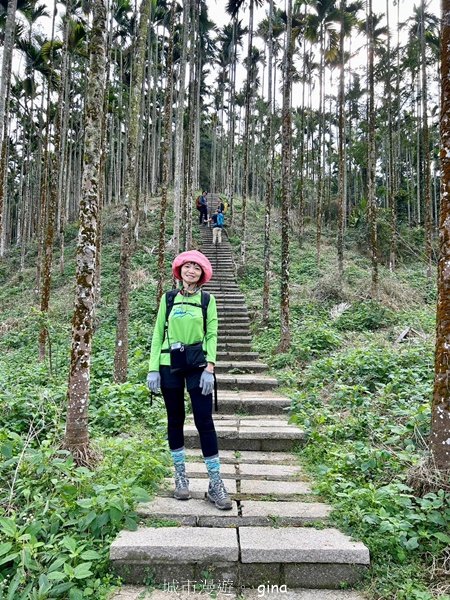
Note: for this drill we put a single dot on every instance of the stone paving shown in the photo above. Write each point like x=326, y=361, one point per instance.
x=276, y=539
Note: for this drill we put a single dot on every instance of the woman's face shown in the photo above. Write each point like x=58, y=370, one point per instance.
x=191, y=273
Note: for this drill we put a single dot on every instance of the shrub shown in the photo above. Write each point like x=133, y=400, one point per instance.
x=365, y=316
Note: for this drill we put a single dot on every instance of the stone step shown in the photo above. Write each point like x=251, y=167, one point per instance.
x=232, y=437
x=197, y=487
x=291, y=556
x=215, y=289
x=248, y=471
x=245, y=513
x=237, y=330
x=228, y=297
x=222, y=591
x=231, y=321
x=252, y=403
x=242, y=310
x=236, y=348
x=240, y=366
x=255, y=489
x=247, y=382
x=256, y=458
x=232, y=338
x=224, y=323
x=252, y=406
x=221, y=355
x=227, y=301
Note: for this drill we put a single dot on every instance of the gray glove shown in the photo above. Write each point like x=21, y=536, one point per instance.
x=154, y=381
x=207, y=383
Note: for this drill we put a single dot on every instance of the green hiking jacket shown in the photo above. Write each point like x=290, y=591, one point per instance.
x=185, y=325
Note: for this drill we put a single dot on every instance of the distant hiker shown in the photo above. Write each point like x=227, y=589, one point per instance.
x=217, y=225
x=221, y=206
x=184, y=347
x=201, y=204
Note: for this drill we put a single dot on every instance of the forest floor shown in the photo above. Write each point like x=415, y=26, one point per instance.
x=362, y=397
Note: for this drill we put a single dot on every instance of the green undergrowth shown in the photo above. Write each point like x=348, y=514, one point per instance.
x=57, y=521
x=363, y=398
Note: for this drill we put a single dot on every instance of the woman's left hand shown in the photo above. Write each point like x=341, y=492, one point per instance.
x=207, y=382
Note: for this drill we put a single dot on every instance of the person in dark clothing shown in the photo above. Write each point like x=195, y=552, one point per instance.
x=202, y=207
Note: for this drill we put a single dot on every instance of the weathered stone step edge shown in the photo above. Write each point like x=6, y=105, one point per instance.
x=225, y=367
x=225, y=355
x=325, y=558
x=252, y=406
x=254, y=386
x=132, y=592
x=256, y=458
x=249, y=513
x=250, y=471
x=252, y=444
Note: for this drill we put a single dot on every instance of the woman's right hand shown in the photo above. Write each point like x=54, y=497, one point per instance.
x=154, y=381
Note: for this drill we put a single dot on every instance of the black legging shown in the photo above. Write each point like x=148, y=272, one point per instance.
x=203, y=214
x=201, y=409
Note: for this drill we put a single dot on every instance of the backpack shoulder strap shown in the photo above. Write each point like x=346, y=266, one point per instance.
x=205, y=303
x=170, y=299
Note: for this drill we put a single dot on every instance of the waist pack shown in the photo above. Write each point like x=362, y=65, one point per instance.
x=187, y=356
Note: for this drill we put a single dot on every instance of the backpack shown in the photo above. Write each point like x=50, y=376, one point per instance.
x=198, y=203
x=205, y=297
x=220, y=219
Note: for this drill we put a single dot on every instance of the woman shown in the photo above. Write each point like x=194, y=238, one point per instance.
x=184, y=328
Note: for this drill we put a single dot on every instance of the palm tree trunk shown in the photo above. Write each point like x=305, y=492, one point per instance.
x=245, y=145
x=131, y=200
x=269, y=179
x=8, y=45
x=391, y=187
x=342, y=196
x=179, y=133
x=426, y=148
x=372, y=207
x=165, y=156
x=286, y=184
x=77, y=434
x=440, y=421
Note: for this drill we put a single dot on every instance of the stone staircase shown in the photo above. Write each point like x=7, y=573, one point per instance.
x=277, y=533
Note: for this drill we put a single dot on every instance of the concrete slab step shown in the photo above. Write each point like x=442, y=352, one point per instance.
x=180, y=553
x=135, y=592
x=194, y=512
x=233, y=338
x=230, y=456
x=198, y=486
x=248, y=471
x=231, y=309
x=254, y=406
x=246, y=382
x=235, y=348
x=245, y=513
x=282, y=439
x=311, y=557
x=241, y=366
x=275, y=491
x=221, y=355
x=291, y=556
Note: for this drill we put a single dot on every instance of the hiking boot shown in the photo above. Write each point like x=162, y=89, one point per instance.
x=218, y=495
x=181, y=487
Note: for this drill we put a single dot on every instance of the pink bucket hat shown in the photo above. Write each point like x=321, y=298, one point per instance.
x=196, y=257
